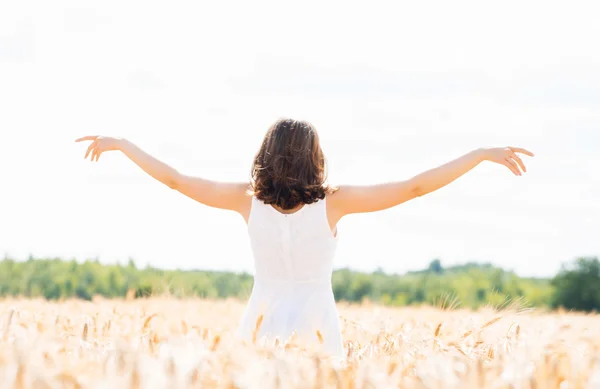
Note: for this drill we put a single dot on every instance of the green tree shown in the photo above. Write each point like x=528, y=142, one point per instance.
x=436, y=266
x=577, y=285
x=472, y=284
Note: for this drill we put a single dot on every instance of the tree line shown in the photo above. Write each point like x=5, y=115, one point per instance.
x=576, y=286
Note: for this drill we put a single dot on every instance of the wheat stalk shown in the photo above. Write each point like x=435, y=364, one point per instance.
x=147, y=322
x=320, y=337
x=257, y=328
x=84, y=334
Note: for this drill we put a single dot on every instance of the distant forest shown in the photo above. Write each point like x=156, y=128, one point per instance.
x=472, y=285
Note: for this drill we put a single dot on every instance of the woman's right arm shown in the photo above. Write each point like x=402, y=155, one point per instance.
x=223, y=195
x=370, y=198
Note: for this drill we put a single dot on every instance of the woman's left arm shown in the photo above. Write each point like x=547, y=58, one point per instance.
x=224, y=195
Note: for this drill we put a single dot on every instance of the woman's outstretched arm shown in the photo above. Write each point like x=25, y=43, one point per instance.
x=369, y=198
x=224, y=195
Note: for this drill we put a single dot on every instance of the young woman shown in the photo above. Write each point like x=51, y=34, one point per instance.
x=292, y=213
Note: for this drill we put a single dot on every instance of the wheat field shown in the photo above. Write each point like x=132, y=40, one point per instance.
x=189, y=343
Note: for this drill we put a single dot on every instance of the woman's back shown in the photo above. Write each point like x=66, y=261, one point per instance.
x=291, y=247
x=293, y=257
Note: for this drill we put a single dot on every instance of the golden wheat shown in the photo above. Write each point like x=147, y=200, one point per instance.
x=117, y=344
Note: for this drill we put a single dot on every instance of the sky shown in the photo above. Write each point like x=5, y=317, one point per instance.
x=394, y=88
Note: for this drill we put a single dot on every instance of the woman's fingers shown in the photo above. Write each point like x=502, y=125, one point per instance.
x=519, y=161
x=512, y=166
x=522, y=151
x=90, y=148
x=94, y=149
x=90, y=137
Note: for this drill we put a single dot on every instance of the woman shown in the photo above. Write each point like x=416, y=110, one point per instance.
x=291, y=213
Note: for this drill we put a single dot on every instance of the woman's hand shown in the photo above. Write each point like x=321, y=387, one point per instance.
x=508, y=157
x=99, y=145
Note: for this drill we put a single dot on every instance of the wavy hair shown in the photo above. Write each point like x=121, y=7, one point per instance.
x=289, y=169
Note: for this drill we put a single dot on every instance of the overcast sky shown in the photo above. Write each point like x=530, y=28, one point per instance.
x=393, y=88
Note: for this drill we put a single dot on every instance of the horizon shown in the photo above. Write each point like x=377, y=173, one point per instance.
x=390, y=96
x=243, y=272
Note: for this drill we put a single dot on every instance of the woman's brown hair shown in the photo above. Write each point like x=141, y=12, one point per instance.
x=289, y=168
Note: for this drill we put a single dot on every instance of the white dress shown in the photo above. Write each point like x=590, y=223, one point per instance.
x=293, y=258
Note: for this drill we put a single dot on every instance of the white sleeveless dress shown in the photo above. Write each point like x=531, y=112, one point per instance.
x=293, y=258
